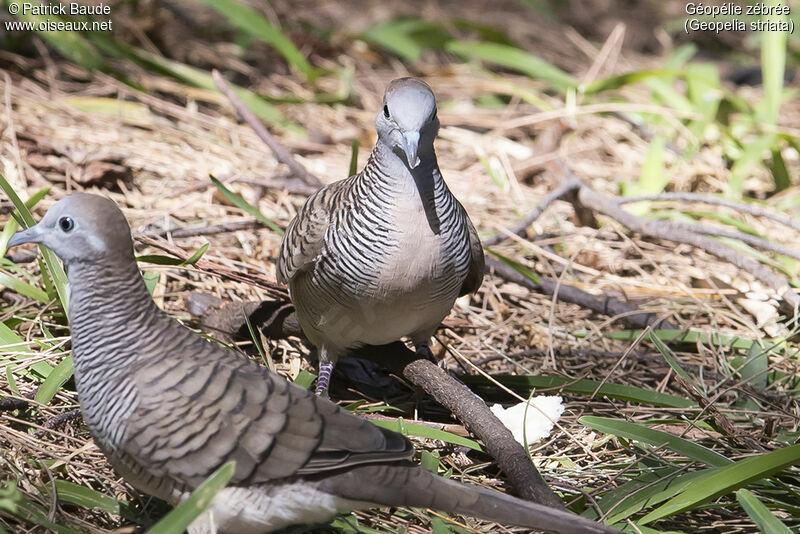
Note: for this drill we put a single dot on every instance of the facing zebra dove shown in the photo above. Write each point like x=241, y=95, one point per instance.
x=384, y=254
x=168, y=407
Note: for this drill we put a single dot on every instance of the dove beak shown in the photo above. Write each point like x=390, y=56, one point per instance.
x=410, y=145
x=33, y=234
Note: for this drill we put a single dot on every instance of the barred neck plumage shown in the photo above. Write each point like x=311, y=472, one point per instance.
x=108, y=301
x=115, y=325
x=388, y=179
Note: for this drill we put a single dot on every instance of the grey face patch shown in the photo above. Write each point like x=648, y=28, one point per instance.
x=410, y=102
x=79, y=227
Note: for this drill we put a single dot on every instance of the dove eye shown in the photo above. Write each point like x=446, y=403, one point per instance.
x=66, y=224
x=386, y=111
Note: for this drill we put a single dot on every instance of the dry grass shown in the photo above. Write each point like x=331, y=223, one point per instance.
x=170, y=139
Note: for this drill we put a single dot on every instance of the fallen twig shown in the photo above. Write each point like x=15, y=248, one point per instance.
x=584, y=197
x=716, y=201
x=751, y=240
x=722, y=423
x=519, y=229
x=220, y=271
x=625, y=312
x=281, y=153
x=57, y=421
x=208, y=229
x=10, y=404
x=590, y=198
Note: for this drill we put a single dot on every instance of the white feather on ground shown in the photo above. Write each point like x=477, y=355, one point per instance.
x=542, y=414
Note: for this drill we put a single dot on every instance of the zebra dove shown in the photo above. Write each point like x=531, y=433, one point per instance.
x=168, y=407
x=384, y=254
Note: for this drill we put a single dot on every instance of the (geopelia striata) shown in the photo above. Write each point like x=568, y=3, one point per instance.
x=384, y=254
x=168, y=407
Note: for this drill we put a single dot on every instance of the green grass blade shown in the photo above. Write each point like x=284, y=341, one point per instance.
x=581, y=387
x=53, y=265
x=669, y=356
x=354, y=157
x=408, y=37
x=780, y=172
x=429, y=461
x=760, y=514
x=651, y=178
x=705, y=91
x=12, y=226
x=194, y=258
x=752, y=154
x=422, y=431
x=57, y=377
x=150, y=281
x=245, y=206
x=773, y=64
x=724, y=219
x=198, y=78
x=23, y=288
x=723, y=480
x=516, y=59
x=181, y=517
x=14, y=502
x=754, y=369
x=646, y=490
x=438, y=526
x=255, y=337
x=686, y=336
x=11, y=342
x=305, y=379
x=617, y=81
x=78, y=495
x=521, y=269
x=656, y=438
x=249, y=21
x=158, y=259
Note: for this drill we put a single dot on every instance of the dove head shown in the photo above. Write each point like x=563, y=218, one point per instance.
x=407, y=122
x=82, y=228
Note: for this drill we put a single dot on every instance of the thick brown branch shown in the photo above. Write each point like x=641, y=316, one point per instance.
x=476, y=416
x=281, y=153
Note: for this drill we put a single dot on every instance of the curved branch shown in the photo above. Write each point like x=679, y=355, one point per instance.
x=590, y=198
x=519, y=229
x=715, y=201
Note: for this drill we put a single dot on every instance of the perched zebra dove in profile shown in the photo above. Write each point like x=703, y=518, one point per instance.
x=384, y=254
x=168, y=407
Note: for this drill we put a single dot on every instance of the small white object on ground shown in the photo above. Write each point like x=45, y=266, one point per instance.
x=543, y=413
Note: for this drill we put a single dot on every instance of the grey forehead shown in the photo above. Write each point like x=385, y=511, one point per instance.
x=411, y=101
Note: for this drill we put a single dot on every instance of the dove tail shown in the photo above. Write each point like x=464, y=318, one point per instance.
x=407, y=484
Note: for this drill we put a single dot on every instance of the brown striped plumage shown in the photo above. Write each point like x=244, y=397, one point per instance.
x=168, y=407
x=384, y=254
